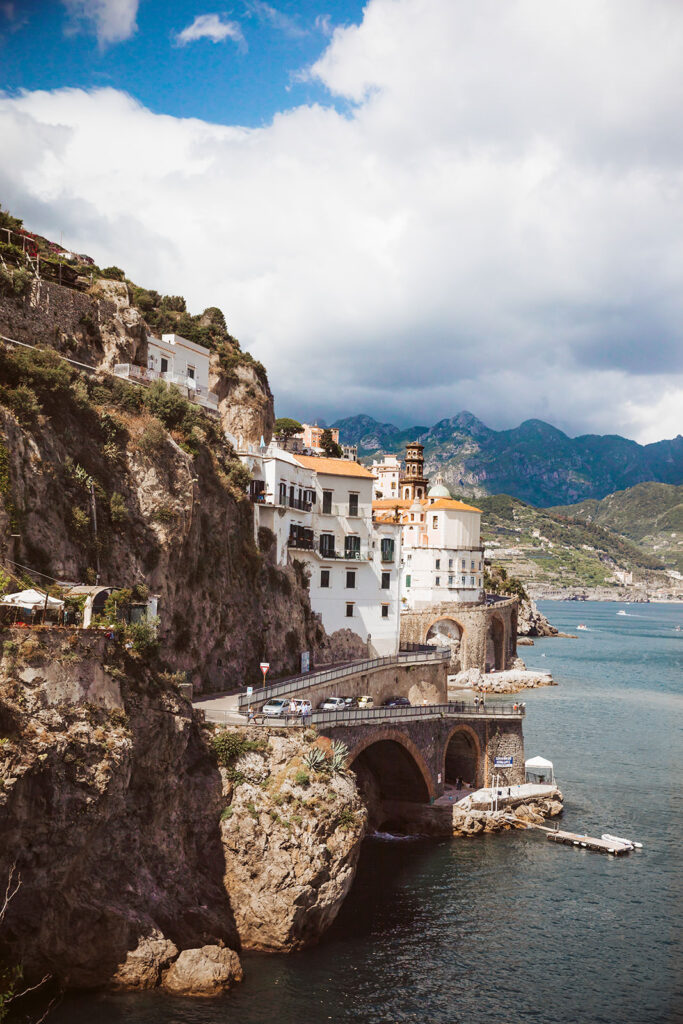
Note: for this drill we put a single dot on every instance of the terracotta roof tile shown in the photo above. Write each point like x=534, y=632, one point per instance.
x=334, y=467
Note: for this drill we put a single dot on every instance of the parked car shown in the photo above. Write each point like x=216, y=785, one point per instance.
x=365, y=701
x=397, y=702
x=275, y=708
x=351, y=702
x=303, y=707
x=332, y=704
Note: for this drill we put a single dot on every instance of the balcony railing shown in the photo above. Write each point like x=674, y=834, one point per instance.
x=303, y=506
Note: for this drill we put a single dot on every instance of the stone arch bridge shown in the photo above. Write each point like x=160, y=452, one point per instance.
x=412, y=754
x=481, y=636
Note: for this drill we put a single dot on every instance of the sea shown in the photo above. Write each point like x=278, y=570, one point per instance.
x=509, y=928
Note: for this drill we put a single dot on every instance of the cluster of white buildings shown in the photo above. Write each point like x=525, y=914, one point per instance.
x=178, y=361
x=368, y=557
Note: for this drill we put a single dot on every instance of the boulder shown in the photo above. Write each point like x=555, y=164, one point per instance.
x=144, y=965
x=203, y=972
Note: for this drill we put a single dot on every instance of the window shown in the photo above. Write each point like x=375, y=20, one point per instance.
x=351, y=579
x=327, y=545
x=283, y=494
x=463, y=564
x=190, y=372
x=386, y=580
x=471, y=581
x=324, y=578
x=450, y=581
x=437, y=581
x=387, y=546
x=327, y=502
x=408, y=580
x=349, y=610
x=450, y=563
x=463, y=580
x=385, y=611
x=435, y=522
x=352, y=546
x=480, y=567
x=471, y=565
x=353, y=504
x=164, y=365
x=437, y=564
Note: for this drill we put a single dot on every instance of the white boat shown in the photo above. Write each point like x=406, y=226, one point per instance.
x=624, y=842
x=582, y=626
x=621, y=612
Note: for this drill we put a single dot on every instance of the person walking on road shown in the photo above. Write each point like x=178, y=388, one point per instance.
x=251, y=718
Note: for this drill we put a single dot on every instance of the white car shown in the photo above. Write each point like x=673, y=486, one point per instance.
x=303, y=707
x=275, y=708
x=332, y=704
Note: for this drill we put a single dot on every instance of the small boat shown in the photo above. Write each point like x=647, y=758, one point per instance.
x=624, y=842
x=621, y=612
x=582, y=625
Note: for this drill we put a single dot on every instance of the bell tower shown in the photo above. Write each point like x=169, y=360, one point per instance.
x=412, y=481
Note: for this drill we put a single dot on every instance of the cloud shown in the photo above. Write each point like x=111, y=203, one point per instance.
x=275, y=18
x=492, y=222
x=210, y=26
x=112, y=21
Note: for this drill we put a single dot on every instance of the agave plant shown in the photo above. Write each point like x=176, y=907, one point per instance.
x=340, y=756
x=315, y=759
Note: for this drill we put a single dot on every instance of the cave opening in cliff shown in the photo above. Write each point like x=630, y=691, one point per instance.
x=462, y=758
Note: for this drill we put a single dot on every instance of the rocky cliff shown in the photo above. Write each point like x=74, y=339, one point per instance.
x=99, y=477
x=137, y=834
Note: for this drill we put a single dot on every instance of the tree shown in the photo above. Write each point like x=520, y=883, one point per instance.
x=329, y=445
x=286, y=427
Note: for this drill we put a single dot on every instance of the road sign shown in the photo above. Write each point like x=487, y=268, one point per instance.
x=265, y=665
x=502, y=762
x=250, y=690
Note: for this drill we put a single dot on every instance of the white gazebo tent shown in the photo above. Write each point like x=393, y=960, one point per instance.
x=538, y=770
x=31, y=601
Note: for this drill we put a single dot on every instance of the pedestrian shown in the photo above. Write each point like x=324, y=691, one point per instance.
x=292, y=707
x=251, y=718
x=514, y=706
x=476, y=702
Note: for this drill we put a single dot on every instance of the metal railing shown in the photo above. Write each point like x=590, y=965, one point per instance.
x=146, y=375
x=366, y=716
x=309, y=679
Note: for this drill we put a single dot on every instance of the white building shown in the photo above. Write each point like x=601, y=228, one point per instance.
x=320, y=511
x=442, y=555
x=178, y=361
x=387, y=473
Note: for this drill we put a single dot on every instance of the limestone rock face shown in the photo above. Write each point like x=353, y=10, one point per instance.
x=144, y=965
x=291, y=849
x=510, y=680
x=203, y=972
x=532, y=622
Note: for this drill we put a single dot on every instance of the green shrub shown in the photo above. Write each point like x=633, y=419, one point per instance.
x=153, y=438
x=315, y=759
x=302, y=778
x=346, y=818
x=227, y=814
x=229, y=746
x=80, y=519
x=22, y=402
x=143, y=635
x=113, y=273
x=118, y=513
x=176, y=303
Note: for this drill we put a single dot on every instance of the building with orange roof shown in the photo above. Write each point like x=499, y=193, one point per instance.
x=320, y=512
x=442, y=554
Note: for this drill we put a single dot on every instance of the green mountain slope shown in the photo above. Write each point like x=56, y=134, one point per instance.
x=534, y=462
x=649, y=514
x=543, y=546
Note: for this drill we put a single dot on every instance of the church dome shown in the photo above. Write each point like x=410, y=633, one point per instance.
x=438, y=491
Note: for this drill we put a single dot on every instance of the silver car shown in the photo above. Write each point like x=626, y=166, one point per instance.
x=275, y=708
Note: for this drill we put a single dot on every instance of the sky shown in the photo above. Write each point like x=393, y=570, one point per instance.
x=405, y=208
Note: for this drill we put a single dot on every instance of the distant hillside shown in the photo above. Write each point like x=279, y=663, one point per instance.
x=534, y=462
x=649, y=514
x=542, y=546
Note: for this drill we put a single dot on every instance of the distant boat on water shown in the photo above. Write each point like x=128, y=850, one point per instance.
x=582, y=625
x=621, y=612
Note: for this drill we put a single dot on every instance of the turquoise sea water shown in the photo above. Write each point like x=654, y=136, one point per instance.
x=510, y=928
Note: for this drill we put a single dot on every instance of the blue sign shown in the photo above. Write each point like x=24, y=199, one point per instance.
x=502, y=762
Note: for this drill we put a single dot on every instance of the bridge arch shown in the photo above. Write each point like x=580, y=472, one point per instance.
x=462, y=757
x=396, y=764
x=495, y=643
x=453, y=633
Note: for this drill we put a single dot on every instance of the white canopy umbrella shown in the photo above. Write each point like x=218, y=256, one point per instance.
x=540, y=766
x=31, y=599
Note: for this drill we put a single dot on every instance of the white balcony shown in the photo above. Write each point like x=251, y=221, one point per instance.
x=187, y=385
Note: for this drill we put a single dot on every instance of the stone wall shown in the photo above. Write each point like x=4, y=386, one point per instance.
x=488, y=632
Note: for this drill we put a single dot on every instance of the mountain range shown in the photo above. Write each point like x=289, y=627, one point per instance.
x=535, y=461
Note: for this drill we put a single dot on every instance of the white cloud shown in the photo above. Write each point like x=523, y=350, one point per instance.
x=112, y=21
x=493, y=225
x=277, y=19
x=210, y=26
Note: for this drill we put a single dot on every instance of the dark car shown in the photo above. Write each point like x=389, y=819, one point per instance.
x=351, y=702
x=397, y=702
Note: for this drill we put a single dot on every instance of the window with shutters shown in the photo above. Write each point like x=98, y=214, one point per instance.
x=386, y=580
x=349, y=610
x=324, y=578
x=387, y=549
x=327, y=502
x=353, y=504
x=385, y=611
x=327, y=545
x=352, y=546
x=351, y=579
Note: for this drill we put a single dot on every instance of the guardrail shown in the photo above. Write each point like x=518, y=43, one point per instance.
x=366, y=716
x=309, y=679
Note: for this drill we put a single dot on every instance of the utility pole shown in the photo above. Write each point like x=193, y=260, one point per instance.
x=94, y=521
